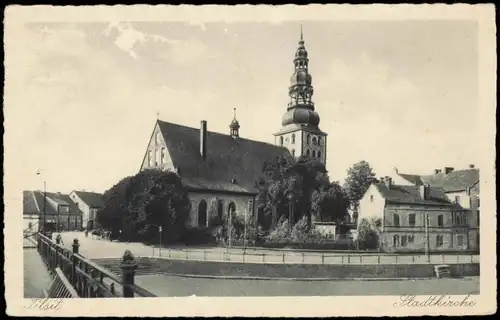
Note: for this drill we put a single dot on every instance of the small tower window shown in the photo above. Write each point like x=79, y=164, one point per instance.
x=319, y=141
x=281, y=141
x=308, y=138
x=319, y=154
x=293, y=153
x=314, y=154
x=315, y=140
x=308, y=152
x=293, y=137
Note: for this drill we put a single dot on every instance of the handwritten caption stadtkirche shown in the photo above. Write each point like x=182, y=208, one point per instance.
x=442, y=301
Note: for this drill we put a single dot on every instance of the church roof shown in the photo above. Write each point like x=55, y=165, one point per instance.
x=230, y=165
x=456, y=180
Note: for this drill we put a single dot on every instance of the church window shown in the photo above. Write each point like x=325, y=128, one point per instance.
x=293, y=153
x=315, y=141
x=308, y=152
x=162, y=155
x=308, y=138
x=314, y=153
x=149, y=158
x=319, y=141
x=157, y=156
x=281, y=141
x=157, y=138
x=220, y=208
x=319, y=154
x=202, y=213
x=293, y=137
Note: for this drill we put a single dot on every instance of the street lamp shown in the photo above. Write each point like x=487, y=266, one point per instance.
x=42, y=228
x=290, y=197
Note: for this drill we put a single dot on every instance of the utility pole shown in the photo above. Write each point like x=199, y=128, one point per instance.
x=427, y=240
x=44, y=205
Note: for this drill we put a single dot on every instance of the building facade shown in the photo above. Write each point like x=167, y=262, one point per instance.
x=417, y=218
x=300, y=132
x=89, y=203
x=58, y=210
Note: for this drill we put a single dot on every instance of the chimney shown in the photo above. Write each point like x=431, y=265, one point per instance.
x=447, y=170
x=203, y=139
x=388, y=182
x=424, y=191
x=471, y=166
x=436, y=171
x=382, y=179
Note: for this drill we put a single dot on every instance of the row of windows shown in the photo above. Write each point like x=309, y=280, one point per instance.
x=315, y=140
x=459, y=218
x=402, y=241
x=231, y=209
x=156, y=159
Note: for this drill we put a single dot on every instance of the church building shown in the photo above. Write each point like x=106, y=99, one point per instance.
x=219, y=170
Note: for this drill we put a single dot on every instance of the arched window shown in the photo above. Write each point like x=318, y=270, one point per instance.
x=281, y=141
x=293, y=137
x=202, y=213
x=396, y=219
x=231, y=209
x=314, y=153
x=308, y=138
x=220, y=208
x=319, y=141
x=319, y=154
x=308, y=152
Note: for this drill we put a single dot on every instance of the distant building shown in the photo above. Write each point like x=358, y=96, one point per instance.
x=61, y=213
x=88, y=203
x=403, y=211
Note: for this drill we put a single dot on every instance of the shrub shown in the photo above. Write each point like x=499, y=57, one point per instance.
x=368, y=234
x=197, y=235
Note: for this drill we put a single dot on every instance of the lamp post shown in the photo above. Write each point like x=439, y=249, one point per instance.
x=290, y=197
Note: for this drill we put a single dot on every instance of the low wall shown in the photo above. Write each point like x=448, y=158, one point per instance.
x=211, y=268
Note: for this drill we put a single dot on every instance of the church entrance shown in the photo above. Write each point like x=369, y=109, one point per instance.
x=202, y=213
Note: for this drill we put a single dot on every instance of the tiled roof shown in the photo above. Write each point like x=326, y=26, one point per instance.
x=92, y=199
x=231, y=164
x=456, y=180
x=33, y=203
x=411, y=194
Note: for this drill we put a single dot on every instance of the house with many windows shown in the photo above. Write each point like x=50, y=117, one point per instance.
x=416, y=217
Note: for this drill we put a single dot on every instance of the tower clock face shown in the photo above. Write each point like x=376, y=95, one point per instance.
x=315, y=140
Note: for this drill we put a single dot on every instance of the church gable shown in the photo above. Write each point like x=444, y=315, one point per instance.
x=157, y=155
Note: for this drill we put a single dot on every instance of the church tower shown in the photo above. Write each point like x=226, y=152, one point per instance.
x=300, y=132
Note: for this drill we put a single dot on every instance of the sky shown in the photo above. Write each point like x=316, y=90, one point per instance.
x=394, y=93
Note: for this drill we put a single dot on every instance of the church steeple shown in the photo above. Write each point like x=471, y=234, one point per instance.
x=301, y=107
x=300, y=132
x=234, y=127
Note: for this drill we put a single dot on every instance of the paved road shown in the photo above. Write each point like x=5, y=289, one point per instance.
x=171, y=286
x=94, y=248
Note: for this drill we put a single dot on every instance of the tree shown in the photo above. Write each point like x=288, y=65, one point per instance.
x=330, y=203
x=369, y=233
x=140, y=204
x=359, y=178
x=284, y=177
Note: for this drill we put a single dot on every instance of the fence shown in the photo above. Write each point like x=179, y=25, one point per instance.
x=302, y=257
x=88, y=279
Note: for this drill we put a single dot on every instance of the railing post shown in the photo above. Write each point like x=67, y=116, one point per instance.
x=76, y=247
x=128, y=265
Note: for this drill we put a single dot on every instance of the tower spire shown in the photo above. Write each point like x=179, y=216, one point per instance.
x=234, y=127
x=301, y=34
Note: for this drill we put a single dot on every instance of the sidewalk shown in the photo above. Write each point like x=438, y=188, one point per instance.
x=36, y=276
